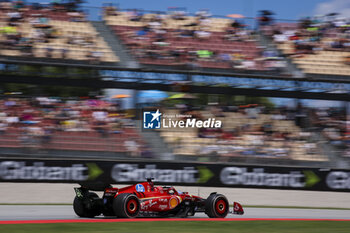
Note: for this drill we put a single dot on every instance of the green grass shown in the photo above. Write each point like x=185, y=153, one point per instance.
x=184, y=227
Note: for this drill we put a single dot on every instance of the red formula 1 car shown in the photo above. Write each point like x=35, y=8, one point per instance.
x=146, y=200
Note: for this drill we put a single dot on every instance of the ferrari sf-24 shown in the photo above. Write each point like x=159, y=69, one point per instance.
x=147, y=200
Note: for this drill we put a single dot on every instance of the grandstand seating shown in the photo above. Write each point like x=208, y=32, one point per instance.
x=64, y=126
x=123, y=19
x=248, y=143
x=167, y=41
x=66, y=36
x=240, y=49
x=322, y=59
x=324, y=62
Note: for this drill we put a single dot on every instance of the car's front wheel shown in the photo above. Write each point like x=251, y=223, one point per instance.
x=216, y=206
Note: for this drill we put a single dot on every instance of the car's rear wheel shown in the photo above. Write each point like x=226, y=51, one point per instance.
x=216, y=206
x=87, y=206
x=126, y=205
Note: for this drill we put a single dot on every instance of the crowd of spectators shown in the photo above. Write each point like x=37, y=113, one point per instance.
x=40, y=121
x=250, y=131
x=247, y=131
x=333, y=124
x=193, y=43
x=24, y=26
x=312, y=34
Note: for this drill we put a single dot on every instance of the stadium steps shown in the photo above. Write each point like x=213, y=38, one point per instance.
x=291, y=67
x=155, y=142
x=126, y=60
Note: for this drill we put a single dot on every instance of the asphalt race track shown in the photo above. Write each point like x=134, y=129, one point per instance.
x=60, y=212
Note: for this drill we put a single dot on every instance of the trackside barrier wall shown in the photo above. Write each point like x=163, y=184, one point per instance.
x=172, y=173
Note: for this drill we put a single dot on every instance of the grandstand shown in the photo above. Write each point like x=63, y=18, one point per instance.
x=85, y=125
x=161, y=39
x=245, y=133
x=317, y=47
x=181, y=43
x=51, y=33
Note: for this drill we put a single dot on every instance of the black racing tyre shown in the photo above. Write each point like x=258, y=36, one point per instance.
x=216, y=206
x=87, y=207
x=126, y=205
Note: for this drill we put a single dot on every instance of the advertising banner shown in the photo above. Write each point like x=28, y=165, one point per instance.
x=172, y=173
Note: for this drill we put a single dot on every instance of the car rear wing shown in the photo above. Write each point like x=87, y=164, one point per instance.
x=95, y=186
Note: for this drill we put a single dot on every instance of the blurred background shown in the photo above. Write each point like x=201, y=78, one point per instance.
x=75, y=78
